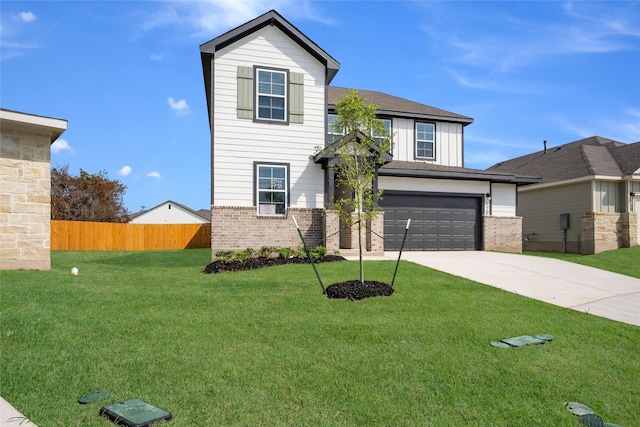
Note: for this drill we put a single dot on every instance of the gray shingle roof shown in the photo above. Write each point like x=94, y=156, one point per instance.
x=587, y=157
x=430, y=170
x=395, y=106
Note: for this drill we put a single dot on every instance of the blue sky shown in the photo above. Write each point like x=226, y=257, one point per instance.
x=127, y=75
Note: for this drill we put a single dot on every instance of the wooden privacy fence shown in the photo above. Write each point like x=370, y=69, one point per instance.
x=109, y=236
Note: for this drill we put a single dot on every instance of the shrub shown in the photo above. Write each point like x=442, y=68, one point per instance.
x=321, y=251
x=225, y=256
x=285, y=252
x=267, y=251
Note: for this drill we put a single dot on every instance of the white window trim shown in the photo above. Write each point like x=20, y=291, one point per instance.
x=285, y=191
x=433, y=141
x=258, y=94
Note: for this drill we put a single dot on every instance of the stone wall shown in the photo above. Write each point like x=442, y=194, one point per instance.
x=331, y=231
x=25, y=201
x=503, y=234
x=236, y=228
x=605, y=231
x=371, y=235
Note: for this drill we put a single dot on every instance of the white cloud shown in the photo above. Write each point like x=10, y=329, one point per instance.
x=179, y=106
x=26, y=16
x=125, y=170
x=154, y=174
x=156, y=56
x=60, y=145
x=211, y=17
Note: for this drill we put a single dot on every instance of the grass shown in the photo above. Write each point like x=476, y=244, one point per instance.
x=624, y=261
x=265, y=348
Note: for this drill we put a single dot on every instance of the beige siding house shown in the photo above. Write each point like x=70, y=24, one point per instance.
x=25, y=189
x=595, y=181
x=271, y=107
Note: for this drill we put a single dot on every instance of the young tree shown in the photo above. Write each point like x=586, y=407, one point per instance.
x=87, y=197
x=361, y=151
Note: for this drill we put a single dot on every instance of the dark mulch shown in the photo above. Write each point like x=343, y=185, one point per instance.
x=353, y=289
x=356, y=290
x=260, y=262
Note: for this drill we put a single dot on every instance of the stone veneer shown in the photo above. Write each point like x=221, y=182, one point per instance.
x=503, y=233
x=25, y=201
x=604, y=231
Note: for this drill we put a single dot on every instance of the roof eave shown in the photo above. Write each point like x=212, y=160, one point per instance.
x=473, y=176
x=411, y=115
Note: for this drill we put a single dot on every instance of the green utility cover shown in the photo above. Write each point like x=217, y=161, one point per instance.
x=134, y=413
x=590, y=420
x=94, y=396
x=545, y=337
x=578, y=409
x=499, y=344
x=522, y=340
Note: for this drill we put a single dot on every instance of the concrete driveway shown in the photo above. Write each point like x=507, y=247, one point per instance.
x=590, y=290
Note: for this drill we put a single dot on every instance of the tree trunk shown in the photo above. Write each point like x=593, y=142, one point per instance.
x=360, y=247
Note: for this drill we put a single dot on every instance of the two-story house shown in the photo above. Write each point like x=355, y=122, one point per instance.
x=270, y=108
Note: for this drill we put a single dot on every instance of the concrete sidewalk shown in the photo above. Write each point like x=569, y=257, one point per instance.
x=10, y=416
x=590, y=290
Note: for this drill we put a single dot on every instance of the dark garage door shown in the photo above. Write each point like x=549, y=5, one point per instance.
x=438, y=223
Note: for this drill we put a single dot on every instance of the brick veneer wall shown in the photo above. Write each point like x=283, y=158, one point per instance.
x=605, y=231
x=502, y=234
x=237, y=228
x=25, y=200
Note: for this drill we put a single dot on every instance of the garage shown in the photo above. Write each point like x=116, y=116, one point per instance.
x=438, y=222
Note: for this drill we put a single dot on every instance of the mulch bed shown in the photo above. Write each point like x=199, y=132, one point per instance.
x=220, y=266
x=353, y=290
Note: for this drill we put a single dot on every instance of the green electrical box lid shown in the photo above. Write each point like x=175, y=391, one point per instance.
x=134, y=413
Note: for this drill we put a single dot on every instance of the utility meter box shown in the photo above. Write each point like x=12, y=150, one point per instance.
x=564, y=221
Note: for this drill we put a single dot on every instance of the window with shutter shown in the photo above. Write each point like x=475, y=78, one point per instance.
x=245, y=92
x=264, y=94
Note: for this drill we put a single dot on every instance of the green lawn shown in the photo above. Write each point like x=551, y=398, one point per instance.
x=624, y=261
x=266, y=348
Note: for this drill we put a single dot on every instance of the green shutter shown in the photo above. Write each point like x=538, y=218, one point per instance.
x=245, y=92
x=296, y=98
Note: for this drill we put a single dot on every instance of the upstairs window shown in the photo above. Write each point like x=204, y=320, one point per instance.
x=272, y=189
x=333, y=133
x=425, y=141
x=387, y=130
x=271, y=95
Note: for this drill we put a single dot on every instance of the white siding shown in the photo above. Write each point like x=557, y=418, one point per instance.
x=448, y=142
x=168, y=213
x=433, y=185
x=503, y=200
x=240, y=142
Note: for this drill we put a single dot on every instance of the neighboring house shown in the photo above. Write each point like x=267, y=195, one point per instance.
x=270, y=110
x=596, y=181
x=25, y=189
x=170, y=212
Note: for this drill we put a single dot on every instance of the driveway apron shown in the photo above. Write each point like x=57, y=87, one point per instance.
x=587, y=289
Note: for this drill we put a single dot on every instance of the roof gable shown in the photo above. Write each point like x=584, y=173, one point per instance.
x=208, y=49
x=399, y=107
x=201, y=214
x=586, y=157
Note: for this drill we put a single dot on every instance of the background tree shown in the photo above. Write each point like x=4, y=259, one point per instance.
x=360, y=156
x=87, y=197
